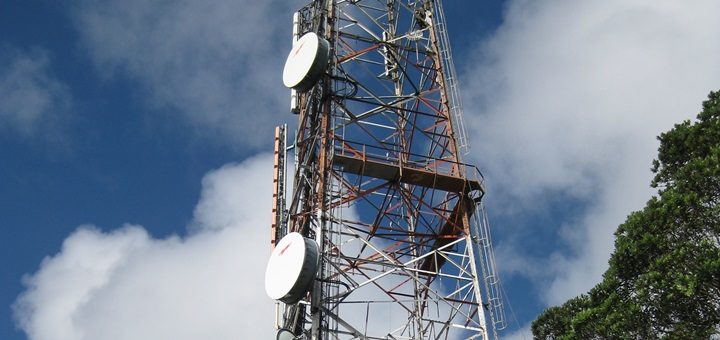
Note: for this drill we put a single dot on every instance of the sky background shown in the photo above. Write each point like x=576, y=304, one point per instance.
x=135, y=141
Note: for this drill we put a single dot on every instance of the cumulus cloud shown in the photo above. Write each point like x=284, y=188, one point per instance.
x=32, y=99
x=125, y=284
x=215, y=64
x=567, y=101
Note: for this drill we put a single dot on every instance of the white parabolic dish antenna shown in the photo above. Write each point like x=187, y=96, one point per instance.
x=291, y=269
x=306, y=62
x=284, y=334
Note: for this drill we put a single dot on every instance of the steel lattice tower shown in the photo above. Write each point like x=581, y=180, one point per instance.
x=379, y=183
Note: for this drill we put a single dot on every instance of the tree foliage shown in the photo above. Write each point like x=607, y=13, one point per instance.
x=664, y=275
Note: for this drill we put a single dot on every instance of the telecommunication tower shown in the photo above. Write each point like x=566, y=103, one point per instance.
x=381, y=233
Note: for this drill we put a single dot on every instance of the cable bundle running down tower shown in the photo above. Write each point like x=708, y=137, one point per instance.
x=384, y=235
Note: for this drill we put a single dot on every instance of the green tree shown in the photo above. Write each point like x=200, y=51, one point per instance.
x=663, y=279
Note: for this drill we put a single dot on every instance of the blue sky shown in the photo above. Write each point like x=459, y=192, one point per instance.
x=134, y=137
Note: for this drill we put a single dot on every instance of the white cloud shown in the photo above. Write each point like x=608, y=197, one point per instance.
x=216, y=64
x=236, y=193
x=31, y=98
x=568, y=100
x=523, y=333
x=126, y=284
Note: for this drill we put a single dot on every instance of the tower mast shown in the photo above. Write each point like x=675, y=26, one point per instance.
x=380, y=189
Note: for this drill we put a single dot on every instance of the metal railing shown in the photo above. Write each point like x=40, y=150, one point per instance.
x=407, y=159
